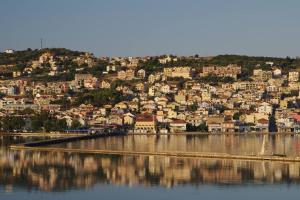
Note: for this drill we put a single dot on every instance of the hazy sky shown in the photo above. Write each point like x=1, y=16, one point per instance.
x=152, y=27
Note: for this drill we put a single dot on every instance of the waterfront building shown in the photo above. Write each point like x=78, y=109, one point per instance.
x=145, y=124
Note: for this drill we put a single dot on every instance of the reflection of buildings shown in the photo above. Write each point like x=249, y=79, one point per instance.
x=231, y=144
x=60, y=171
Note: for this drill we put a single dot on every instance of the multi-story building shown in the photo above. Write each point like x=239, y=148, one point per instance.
x=293, y=76
x=145, y=124
x=261, y=75
x=126, y=74
x=184, y=72
x=222, y=71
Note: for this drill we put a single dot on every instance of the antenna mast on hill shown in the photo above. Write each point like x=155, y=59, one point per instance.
x=41, y=43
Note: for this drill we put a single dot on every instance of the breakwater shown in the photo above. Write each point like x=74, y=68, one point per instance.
x=163, y=153
x=283, y=148
x=63, y=140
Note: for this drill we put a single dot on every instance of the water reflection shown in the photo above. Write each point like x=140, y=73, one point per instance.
x=57, y=171
x=288, y=145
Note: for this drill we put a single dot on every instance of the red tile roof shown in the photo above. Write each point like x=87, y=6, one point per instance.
x=296, y=117
x=145, y=118
x=263, y=121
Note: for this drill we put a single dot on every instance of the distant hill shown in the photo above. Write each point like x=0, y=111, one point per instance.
x=19, y=60
x=21, y=57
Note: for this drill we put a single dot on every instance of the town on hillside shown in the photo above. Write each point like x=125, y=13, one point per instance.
x=70, y=91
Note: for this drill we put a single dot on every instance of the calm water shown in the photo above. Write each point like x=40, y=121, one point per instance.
x=231, y=144
x=56, y=175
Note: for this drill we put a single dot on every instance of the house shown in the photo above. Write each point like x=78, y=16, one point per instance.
x=83, y=80
x=276, y=72
x=50, y=107
x=205, y=96
x=121, y=105
x=228, y=126
x=165, y=60
x=126, y=74
x=122, y=75
x=262, y=125
x=151, y=79
x=222, y=71
x=296, y=125
x=9, y=51
x=265, y=108
x=180, y=97
x=115, y=119
x=140, y=87
x=194, y=120
x=177, y=125
x=172, y=114
x=184, y=72
x=165, y=89
x=141, y=74
x=253, y=117
x=104, y=84
x=287, y=123
x=112, y=68
x=242, y=127
x=293, y=76
x=214, y=123
x=128, y=118
x=261, y=75
x=12, y=100
x=98, y=121
x=145, y=124
x=133, y=106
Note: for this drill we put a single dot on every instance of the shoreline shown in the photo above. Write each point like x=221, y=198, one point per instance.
x=41, y=134
x=63, y=134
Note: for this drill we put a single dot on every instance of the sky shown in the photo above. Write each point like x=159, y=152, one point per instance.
x=154, y=27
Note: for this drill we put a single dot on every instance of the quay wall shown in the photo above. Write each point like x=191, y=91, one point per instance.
x=63, y=134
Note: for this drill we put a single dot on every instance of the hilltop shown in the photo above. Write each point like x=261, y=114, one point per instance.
x=55, y=64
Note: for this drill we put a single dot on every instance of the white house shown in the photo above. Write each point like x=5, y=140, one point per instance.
x=165, y=89
x=9, y=51
x=277, y=72
x=265, y=108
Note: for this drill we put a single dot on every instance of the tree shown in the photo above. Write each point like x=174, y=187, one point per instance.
x=49, y=125
x=193, y=107
x=2, y=95
x=64, y=102
x=61, y=125
x=236, y=116
x=98, y=97
x=38, y=120
x=10, y=123
x=44, y=121
x=27, y=111
x=76, y=124
x=201, y=128
x=55, y=125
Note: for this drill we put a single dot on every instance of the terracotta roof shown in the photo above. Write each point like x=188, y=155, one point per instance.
x=296, y=117
x=263, y=121
x=178, y=121
x=145, y=118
